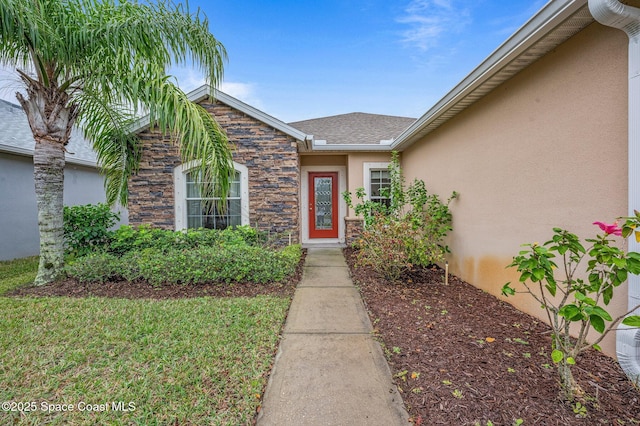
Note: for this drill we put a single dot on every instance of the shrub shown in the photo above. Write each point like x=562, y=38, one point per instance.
x=95, y=267
x=128, y=238
x=569, y=299
x=247, y=263
x=385, y=246
x=221, y=263
x=409, y=232
x=86, y=228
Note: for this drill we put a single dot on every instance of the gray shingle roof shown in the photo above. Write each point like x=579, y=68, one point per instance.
x=16, y=136
x=354, y=128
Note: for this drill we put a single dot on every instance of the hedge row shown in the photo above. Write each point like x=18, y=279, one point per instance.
x=170, y=265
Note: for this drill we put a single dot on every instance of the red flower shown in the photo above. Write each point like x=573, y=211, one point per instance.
x=610, y=228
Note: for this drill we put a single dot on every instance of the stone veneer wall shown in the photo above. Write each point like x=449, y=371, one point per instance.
x=270, y=156
x=151, y=197
x=353, y=229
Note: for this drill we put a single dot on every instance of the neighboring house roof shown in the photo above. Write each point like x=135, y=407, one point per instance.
x=206, y=91
x=16, y=137
x=354, y=130
x=555, y=23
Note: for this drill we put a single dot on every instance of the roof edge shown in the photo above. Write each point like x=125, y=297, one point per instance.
x=205, y=91
x=554, y=13
x=24, y=152
x=322, y=145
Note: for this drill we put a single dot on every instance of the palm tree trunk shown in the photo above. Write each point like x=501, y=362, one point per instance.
x=48, y=173
x=51, y=118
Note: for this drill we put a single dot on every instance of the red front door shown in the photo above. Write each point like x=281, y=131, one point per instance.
x=323, y=205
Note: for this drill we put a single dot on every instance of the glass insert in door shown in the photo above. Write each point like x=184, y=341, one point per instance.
x=323, y=203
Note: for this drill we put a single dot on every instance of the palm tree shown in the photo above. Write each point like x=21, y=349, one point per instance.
x=99, y=64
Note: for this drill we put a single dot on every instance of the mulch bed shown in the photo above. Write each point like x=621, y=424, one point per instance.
x=477, y=359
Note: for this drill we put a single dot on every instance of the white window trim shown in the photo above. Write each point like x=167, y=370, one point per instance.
x=366, y=175
x=180, y=189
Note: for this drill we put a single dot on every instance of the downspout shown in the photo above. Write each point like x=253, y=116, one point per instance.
x=626, y=18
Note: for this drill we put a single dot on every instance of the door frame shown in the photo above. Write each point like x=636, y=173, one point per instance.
x=304, y=203
x=333, y=231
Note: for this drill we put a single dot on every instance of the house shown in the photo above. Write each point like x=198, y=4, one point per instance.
x=288, y=176
x=541, y=134
x=18, y=210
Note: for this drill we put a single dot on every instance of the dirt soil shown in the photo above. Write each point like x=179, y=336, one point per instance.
x=463, y=357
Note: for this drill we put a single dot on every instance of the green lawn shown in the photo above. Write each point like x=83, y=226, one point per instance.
x=16, y=273
x=186, y=361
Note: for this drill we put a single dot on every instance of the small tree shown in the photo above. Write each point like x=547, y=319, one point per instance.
x=570, y=299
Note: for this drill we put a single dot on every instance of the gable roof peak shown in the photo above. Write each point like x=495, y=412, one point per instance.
x=206, y=91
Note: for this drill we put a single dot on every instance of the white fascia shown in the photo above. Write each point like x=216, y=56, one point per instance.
x=205, y=91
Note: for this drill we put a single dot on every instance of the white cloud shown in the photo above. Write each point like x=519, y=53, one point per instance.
x=246, y=92
x=189, y=79
x=430, y=20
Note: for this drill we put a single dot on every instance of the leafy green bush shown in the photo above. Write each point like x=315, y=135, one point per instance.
x=128, y=238
x=86, y=228
x=221, y=263
x=409, y=232
x=95, y=267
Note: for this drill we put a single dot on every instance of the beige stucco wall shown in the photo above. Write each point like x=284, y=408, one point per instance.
x=355, y=177
x=323, y=160
x=547, y=148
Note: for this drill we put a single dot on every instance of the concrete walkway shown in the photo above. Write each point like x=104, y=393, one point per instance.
x=329, y=370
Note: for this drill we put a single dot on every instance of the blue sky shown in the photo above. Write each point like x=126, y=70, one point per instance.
x=301, y=59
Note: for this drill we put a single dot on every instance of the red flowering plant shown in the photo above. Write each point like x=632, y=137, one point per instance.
x=570, y=298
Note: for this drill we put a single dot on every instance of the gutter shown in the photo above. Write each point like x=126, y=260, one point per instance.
x=614, y=14
x=322, y=145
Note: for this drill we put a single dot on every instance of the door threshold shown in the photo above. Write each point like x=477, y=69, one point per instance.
x=321, y=244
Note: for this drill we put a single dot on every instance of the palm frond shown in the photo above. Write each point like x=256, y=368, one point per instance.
x=118, y=150
x=110, y=57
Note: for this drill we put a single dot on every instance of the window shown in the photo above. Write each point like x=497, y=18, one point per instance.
x=376, y=178
x=192, y=212
x=200, y=215
x=380, y=184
